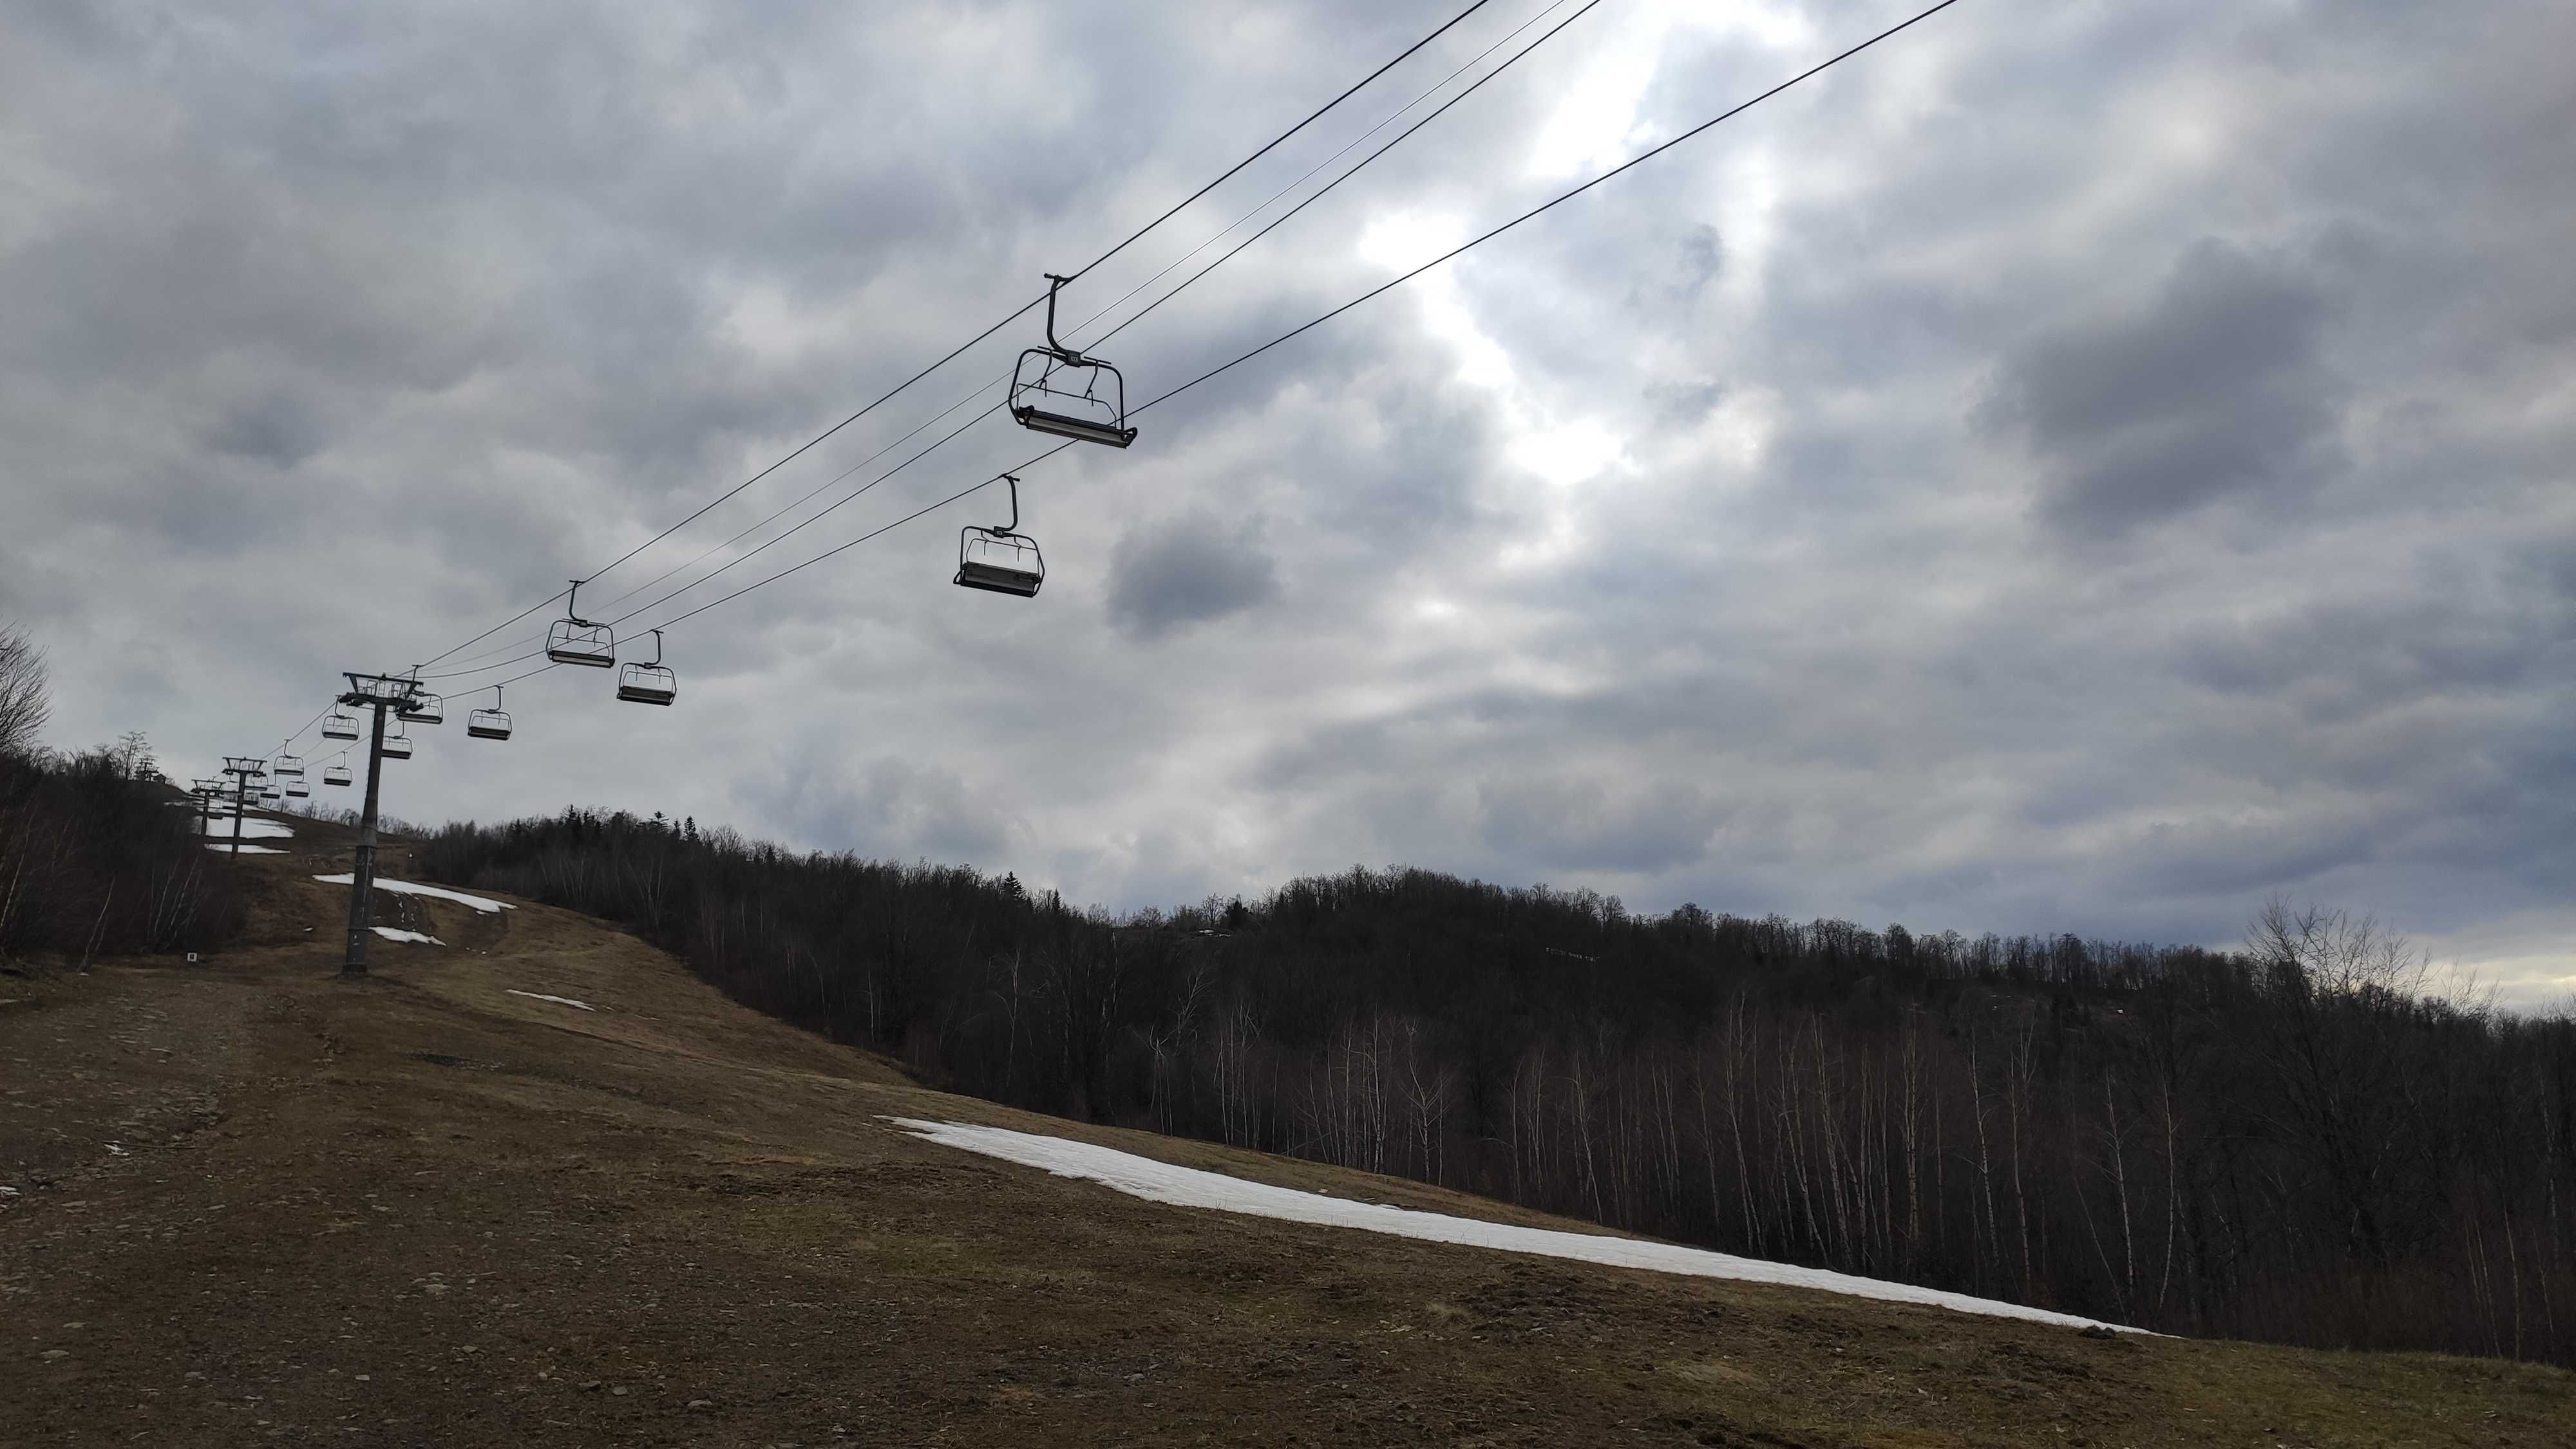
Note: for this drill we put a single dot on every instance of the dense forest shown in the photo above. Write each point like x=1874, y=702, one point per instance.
x=96, y=860
x=2293, y=1142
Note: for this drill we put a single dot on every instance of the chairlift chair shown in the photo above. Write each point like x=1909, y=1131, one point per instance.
x=335, y=775
x=576, y=640
x=652, y=683
x=489, y=724
x=426, y=709
x=397, y=745
x=287, y=767
x=1002, y=560
x=298, y=790
x=1055, y=389
x=339, y=724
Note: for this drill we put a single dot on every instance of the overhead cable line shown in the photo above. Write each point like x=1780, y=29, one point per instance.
x=1632, y=162
x=1390, y=119
x=1549, y=205
x=1273, y=144
x=1022, y=311
x=1356, y=168
x=1349, y=146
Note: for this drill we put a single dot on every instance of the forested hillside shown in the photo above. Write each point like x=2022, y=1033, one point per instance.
x=96, y=861
x=2293, y=1142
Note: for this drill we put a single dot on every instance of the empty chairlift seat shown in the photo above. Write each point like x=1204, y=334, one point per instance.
x=397, y=744
x=1055, y=389
x=575, y=640
x=999, y=562
x=298, y=790
x=489, y=724
x=1000, y=559
x=287, y=767
x=652, y=683
x=335, y=774
x=426, y=709
x=339, y=724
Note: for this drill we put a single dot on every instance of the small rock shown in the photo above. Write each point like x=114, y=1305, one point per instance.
x=702, y=1403
x=593, y=1385
x=619, y=1391
x=51, y=1354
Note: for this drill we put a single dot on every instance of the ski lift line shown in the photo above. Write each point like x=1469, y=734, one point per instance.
x=1024, y=309
x=1356, y=167
x=922, y=511
x=817, y=518
x=1347, y=148
x=1549, y=205
x=811, y=495
x=802, y=449
x=488, y=633
x=1276, y=141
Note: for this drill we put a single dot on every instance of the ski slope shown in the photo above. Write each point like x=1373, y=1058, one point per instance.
x=1189, y=1187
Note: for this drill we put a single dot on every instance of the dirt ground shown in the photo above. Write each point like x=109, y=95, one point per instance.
x=253, y=1203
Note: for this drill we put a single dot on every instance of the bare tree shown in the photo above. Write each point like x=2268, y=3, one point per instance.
x=26, y=698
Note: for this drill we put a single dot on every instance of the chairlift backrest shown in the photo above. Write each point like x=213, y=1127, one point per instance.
x=1055, y=389
x=653, y=683
x=489, y=724
x=999, y=561
x=573, y=639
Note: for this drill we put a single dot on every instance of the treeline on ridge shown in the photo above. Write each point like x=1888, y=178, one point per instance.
x=2296, y=1142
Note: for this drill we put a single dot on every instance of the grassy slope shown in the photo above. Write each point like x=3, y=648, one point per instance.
x=423, y=1210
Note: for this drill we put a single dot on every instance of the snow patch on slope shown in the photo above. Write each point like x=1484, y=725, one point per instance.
x=1189, y=1187
x=407, y=888
x=246, y=849
x=395, y=933
x=557, y=1000
x=253, y=828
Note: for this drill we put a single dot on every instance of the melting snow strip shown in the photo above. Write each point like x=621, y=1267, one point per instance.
x=407, y=888
x=246, y=849
x=557, y=1000
x=393, y=933
x=1189, y=1187
x=253, y=828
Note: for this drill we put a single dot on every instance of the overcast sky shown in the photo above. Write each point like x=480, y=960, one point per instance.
x=2077, y=466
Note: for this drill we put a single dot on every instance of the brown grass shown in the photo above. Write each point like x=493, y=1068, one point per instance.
x=421, y=1210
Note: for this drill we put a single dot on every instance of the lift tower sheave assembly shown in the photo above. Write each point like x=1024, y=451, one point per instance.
x=243, y=769
x=377, y=693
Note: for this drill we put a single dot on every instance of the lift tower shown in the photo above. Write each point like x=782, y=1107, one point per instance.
x=377, y=692
x=243, y=769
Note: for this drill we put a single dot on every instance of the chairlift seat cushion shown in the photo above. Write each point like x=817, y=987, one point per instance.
x=999, y=580
x=1040, y=420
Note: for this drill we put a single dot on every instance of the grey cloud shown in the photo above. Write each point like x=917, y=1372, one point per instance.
x=1187, y=570
x=2217, y=387
x=338, y=335
x=1580, y=823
